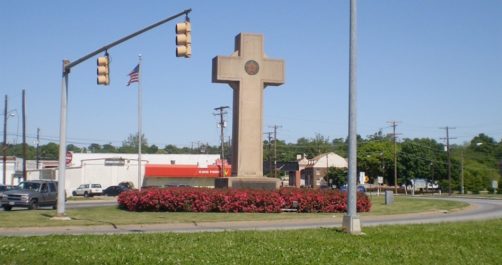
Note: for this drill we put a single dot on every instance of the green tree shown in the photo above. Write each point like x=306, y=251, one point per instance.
x=130, y=145
x=340, y=147
x=17, y=150
x=478, y=176
x=422, y=158
x=375, y=157
x=482, y=163
x=49, y=151
x=171, y=149
x=337, y=176
x=109, y=148
x=94, y=148
x=314, y=146
x=153, y=149
x=73, y=148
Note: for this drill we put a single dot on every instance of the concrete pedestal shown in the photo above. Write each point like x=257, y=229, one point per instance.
x=260, y=183
x=351, y=225
x=61, y=218
x=389, y=197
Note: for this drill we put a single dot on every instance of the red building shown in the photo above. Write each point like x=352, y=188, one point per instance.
x=191, y=175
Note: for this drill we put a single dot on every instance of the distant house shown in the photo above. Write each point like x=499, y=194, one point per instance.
x=313, y=171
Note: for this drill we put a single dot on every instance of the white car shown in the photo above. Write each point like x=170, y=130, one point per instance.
x=88, y=190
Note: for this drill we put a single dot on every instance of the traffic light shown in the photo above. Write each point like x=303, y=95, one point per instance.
x=183, y=39
x=103, y=70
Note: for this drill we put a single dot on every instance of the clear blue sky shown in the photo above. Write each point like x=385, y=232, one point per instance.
x=425, y=63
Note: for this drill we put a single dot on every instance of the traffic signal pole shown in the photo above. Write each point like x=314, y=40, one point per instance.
x=67, y=66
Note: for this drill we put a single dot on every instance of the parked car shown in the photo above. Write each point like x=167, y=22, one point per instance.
x=127, y=184
x=4, y=188
x=359, y=188
x=114, y=190
x=88, y=190
x=31, y=194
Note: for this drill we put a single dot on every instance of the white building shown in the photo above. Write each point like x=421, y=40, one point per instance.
x=110, y=169
x=12, y=166
x=314, y=170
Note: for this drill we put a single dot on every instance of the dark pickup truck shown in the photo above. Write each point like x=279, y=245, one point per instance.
x=31, y=195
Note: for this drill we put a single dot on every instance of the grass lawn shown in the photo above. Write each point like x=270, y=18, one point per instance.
x=112, y=215
x=449, y=243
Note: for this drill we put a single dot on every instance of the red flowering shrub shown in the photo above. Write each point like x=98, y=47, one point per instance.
x=229, y=200
x=324, y=201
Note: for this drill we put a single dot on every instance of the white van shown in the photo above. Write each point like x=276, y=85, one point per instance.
x=88, y=190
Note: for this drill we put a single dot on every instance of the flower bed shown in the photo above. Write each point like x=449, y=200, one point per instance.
x=229, y=200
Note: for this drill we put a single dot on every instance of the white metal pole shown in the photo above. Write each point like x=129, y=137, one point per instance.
x=139, y=123
x=351, y=222
x=62, y=143
x=4, y=147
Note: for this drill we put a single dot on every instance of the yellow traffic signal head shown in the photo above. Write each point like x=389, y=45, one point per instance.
x=103, y=71
x=183, y=27
x=184, y=39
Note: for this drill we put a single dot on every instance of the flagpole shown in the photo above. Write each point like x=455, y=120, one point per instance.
x=139, y=123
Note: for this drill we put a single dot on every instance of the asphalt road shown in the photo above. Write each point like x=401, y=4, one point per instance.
x=101, y=201
x=479, y=209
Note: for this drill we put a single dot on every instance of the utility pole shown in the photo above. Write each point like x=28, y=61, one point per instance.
x=449, y=155
x=269, y=147
x=394, y=137
x=275, y=148
x=221, y=112
x=24, y=135
x=38, y=147
x=4, y=147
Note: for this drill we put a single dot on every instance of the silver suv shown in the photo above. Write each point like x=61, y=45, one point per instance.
x=88, y=190
x=31, y=195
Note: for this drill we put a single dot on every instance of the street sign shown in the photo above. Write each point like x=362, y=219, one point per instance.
x=361, y=177
x=69, y=157
x=380, y=179
x=114, y=162
x=495, y=184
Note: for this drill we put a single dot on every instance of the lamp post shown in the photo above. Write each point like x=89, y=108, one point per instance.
x=7, y=114
x=351, y=222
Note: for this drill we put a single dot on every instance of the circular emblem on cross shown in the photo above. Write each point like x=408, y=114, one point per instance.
x=251, y=67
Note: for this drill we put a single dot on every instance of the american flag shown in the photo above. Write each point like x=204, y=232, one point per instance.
x=134, y=75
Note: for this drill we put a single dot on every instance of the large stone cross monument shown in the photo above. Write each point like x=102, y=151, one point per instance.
x=248, y=71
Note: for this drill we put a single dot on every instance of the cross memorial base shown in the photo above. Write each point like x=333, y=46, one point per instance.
x=259, y=183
